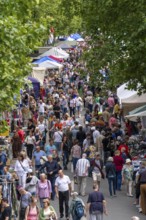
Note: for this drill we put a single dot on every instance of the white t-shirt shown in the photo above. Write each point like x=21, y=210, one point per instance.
x=58, y=135
x=30, y=140
x=42, y=108
x=41, y=127
x=78, y=101
x=72, y=103
x=62, y=183
x=95, y=135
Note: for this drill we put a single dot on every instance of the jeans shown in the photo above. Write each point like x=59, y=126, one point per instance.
x=52, y=180
x=118, y=180
x=112, y=185
x=64, y=198
x=106, y=155
x=29, y=148
x=74, y=160
x=65, y=158
x=72, y=111
x=90, y=107
x=58, y=146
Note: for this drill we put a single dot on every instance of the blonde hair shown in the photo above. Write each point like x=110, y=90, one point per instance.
x=117, y=152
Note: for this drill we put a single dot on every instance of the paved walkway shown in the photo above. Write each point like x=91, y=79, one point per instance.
x=119, y=208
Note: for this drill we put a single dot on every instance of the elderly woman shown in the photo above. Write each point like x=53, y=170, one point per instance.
x=111, y=176
x=127, y=176
x=43, y=189
x=73, y=205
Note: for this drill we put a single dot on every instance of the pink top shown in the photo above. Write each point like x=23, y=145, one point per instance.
x=33, y=213
x=44, y=189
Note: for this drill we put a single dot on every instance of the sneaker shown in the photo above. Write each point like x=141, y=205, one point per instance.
x=115, y=195
x=61, y=216
x=140, y=210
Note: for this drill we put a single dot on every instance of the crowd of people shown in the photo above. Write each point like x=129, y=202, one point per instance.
x=71, y=126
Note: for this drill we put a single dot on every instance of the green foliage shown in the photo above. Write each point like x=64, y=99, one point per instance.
x=118, y=29
x=21, y=32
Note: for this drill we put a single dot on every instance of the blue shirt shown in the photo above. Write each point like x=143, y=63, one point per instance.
x=49, y=149
x=37, y=156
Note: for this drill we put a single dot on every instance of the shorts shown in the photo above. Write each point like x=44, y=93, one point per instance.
x=96, y=176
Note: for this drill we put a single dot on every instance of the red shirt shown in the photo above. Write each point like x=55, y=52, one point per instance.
x=124, y=146
x=118, y=161
x=21, y=135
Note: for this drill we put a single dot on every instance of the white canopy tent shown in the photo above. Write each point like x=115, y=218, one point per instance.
x=135, y=117
x=80, y=40
x=39, y=73
x=56, y=52
x=50, y=65
x=124, y=93
x=70, y=39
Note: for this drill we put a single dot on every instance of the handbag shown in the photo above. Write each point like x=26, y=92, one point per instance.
x=24, y=168
x=102, y=173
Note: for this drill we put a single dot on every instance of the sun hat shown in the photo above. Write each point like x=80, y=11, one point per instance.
x=110, y=159
x=128, y=160
x=93, y=128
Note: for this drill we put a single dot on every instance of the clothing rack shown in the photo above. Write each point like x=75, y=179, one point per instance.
x=8, y=190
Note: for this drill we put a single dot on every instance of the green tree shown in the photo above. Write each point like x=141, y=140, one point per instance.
x=22, y=30
x=117, y=29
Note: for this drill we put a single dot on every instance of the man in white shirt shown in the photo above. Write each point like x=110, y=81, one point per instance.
x=82, y=173
x=41, y=107
x=63, y=190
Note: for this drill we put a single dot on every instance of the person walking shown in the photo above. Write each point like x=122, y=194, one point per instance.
x=111, y=176
x=119, y=162
x=16, y=145
x=25, y=201
x=63, y=190
x=97, y=169
x=65, y=152
x=31, y=182
x=30, y=143
x=58, y=135
x=52, y=168
x=96, y=204
x=127, y=176
x=73, y=209
x=47, y=212
x=37, y=155
x=82, y=173
x=32, y=211
x=43, y=189
x=21, y=168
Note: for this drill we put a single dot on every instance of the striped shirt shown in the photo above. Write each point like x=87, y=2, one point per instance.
x=82, y=167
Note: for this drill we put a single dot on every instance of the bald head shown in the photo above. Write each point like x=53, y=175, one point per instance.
x=135, y=218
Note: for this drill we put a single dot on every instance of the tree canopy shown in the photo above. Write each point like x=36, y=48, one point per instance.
x=25, y=25
x=118, y=29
